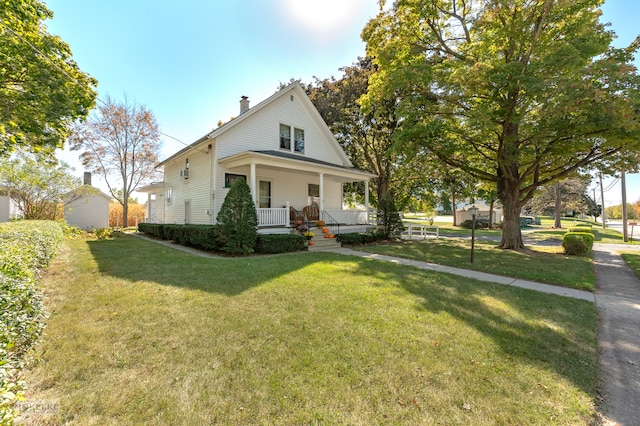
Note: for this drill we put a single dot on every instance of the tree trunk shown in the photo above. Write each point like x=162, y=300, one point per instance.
x=558, y=208
x=510, y=197
x=491, y=213
x=125, y=214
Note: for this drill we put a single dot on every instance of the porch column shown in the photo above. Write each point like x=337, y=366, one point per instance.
x=366, y=197
x=321, y=192
x=252, y=184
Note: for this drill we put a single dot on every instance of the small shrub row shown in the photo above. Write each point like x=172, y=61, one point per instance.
x=468, y=224
x=280, y=243
x=204, y=237
x=153, y=229
x=577, y=243
x=586, y=229
x=207, y=237
x=354, y=238
x=26, y=247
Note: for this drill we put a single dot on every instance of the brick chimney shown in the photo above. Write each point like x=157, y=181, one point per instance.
x=244, y=104
x=87, y=178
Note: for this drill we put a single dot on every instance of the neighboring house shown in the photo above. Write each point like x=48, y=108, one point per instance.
x=482, y=214
x=8, y=207
x=291, y=161
x=87, y=207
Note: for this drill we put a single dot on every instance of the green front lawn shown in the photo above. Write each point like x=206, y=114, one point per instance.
x=144, y=334
x=545, y=264
x=633, y=260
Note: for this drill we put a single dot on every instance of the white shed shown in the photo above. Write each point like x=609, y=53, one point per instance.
x=87, y=208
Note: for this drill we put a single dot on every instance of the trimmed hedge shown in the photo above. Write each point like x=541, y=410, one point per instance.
x=577, y=243
x=579, y=228
x=26, y=247
x=206, y=237
x=153, y=229
x=280, y=243
x=360, y=237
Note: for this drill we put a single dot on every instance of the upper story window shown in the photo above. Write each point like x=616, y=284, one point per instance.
x=298, y=136
x=285, y=137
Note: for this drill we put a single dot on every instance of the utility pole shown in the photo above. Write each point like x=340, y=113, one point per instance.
x=604, y=214
x=623, y=184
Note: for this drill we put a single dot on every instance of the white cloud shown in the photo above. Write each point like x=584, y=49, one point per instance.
x=327, y=19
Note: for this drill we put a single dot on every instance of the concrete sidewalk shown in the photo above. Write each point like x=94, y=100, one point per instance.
x=618, y=304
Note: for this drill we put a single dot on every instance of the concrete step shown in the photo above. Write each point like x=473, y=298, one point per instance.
x=322, y=243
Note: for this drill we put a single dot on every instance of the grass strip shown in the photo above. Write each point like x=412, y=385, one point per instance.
x=545, y=264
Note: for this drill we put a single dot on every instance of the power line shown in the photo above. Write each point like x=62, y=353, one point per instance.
x=611, y=185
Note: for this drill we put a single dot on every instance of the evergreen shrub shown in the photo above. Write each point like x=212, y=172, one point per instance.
x=238, y=220
x=577, y=243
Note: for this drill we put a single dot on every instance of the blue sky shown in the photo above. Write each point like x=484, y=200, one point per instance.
x=189, y=62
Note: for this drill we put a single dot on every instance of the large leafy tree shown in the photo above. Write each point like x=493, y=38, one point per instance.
x=39, y=186
x=365, y=137
x=518, y=93
x=121, y=142
x=42, y=90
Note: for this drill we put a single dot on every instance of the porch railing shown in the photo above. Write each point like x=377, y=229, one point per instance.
x=273, y=217
x=348, y=217
x=330, y=222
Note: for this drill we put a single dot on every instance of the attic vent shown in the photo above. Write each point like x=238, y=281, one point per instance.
x=291, y=98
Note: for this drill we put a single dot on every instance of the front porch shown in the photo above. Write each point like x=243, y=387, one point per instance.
x=290, y=188
x=287, y=217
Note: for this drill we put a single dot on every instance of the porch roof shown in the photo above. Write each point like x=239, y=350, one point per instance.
x=154, y=186
x=286, y=160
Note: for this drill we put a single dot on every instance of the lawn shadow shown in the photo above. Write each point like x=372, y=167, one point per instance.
x=553, y=332
x=133, y=259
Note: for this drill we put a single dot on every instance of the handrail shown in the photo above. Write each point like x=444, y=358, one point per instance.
x=330, y=222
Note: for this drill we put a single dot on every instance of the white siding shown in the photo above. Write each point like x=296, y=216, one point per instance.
x=8, y=209
x=88, y=212
x=262, y=131
x=196, y=189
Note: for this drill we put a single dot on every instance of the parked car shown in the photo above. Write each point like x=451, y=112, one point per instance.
x=529, y=220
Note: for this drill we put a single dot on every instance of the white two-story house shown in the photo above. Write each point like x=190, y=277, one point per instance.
x=291, y=161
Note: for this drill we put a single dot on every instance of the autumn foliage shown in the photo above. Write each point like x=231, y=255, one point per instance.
x=135, y=216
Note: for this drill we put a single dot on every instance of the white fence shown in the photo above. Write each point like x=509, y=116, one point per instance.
x=420, y=231
x=273, y=217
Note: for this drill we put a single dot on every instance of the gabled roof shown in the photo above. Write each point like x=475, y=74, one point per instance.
x=307, y=104
x=84, y=191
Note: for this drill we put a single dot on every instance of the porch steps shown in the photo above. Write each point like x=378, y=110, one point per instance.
x=322, y=244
